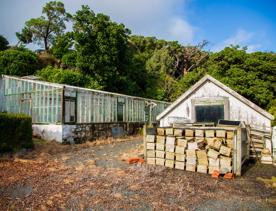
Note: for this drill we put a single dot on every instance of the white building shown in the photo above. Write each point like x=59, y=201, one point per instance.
x=208, y=101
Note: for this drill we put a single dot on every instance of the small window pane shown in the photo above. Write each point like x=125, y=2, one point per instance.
x=209, y=113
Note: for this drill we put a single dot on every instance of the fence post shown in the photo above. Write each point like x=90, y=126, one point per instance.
x=144, y=140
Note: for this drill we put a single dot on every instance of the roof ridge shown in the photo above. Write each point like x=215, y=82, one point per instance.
x=203, y=80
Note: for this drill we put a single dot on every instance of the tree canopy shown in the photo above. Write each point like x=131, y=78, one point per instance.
x=250, y=74
x=100, y=53
x=74, y=78
x=18, y=62
x=100, y=46
x=4, y=43
x=42, y=30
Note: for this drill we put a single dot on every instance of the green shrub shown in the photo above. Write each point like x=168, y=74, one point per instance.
x=15, y=132
x=67, y=76
x=19, y=62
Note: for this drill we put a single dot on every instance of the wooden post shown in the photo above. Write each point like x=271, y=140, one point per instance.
x=144, y=140
x=63, y=106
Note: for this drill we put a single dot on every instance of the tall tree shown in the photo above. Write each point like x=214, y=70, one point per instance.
x=62, y=45
x=251, y=75
x=4, y=44
x=100, y=46
x=43, y=30
x=191, y=57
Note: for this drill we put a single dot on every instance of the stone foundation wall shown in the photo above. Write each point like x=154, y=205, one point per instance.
x=88, y=132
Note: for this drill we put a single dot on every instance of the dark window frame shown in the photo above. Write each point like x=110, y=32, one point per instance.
x=74, y=101
x=120, y=109
x=209, y=113
x=204, y=101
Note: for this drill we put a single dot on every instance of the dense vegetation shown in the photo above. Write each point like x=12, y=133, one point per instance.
x=100, y=53
x=18, y=61
x=15, y=132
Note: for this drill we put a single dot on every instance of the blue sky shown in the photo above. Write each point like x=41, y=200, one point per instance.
x=249, y=23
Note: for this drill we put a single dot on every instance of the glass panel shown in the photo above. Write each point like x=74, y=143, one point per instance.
x=209, y=113
x=120, y=111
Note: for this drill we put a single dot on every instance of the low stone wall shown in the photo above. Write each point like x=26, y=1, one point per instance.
x=80, y=133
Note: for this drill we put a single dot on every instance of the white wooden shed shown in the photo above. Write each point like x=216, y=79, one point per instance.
x=209, y=100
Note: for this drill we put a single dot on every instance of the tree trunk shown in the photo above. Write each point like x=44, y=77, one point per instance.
x=46, y=44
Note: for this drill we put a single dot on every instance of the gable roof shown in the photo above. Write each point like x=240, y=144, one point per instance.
x=202, y=81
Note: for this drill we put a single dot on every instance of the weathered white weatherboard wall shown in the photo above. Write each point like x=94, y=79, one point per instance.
x=209, y=91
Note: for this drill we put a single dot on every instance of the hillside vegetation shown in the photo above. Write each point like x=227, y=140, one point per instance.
x=100, y=53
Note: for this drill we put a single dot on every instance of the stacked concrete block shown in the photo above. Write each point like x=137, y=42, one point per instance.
x=201, y=150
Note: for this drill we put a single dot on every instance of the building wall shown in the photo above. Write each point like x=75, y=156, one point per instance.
x=1, y=94
x=51, y=132
x=238, y=111
x=40, y=100
x=50, y=103
x=88, y=132
x=84, y=132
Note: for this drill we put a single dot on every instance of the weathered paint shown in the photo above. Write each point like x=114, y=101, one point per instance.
x=88, y=132
x=1, y=94
x=68, y=134
x=238, y=110
x=50, y=103
x=274, y=142
x=50, y=132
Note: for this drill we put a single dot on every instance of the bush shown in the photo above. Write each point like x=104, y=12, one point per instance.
x=67, y=76
x=19, y=62
x=15, y=132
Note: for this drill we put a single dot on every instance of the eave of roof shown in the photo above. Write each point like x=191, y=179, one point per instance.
x=202, y=81
x=81, y=88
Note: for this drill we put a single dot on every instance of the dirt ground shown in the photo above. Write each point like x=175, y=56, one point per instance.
x=96, y=176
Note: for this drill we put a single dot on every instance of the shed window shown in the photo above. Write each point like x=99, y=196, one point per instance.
x=70, y=110
x=120, y=109
x=209, y=113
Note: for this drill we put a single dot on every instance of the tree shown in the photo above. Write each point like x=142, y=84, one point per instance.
x=4, y=44
x=70, y=77
x=45, y=28
x=100, y=46
x=161, y=64
x=251, y=75
x=191, y=57
x=62, y=45
x=18, y=62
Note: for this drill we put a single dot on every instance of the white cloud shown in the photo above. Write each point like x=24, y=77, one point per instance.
x=149, y=18
x=160, y=18
x=253, y=47
x=242, y=38
x=181, y=30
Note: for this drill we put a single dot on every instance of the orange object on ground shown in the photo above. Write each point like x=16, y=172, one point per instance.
x=135, y=160
x=141, y=161
x=215, y=174
x=229, y=176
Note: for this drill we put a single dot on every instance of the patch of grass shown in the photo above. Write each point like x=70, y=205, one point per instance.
x=38, y=141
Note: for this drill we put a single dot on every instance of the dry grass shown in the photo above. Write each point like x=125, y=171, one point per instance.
x=45, y=180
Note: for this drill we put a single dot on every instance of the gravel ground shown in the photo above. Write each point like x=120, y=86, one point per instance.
x=95, y=176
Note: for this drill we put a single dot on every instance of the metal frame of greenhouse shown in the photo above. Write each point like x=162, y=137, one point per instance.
x=58, y=104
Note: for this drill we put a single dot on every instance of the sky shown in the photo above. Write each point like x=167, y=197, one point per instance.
x=250, y=23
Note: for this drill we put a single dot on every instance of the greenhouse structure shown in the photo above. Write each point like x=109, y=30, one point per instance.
x=74, y=114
